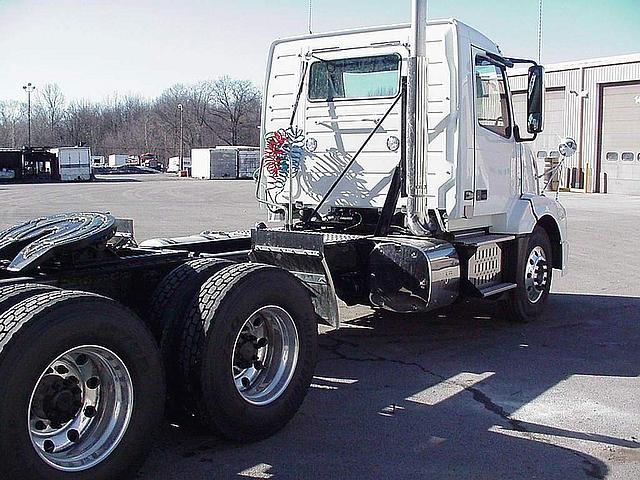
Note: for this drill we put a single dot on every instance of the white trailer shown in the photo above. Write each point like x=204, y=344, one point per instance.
x=173, y=165
x=117, y=160
x=225, y=162
x=213, y=163
x=74, y=163
x=247, y=159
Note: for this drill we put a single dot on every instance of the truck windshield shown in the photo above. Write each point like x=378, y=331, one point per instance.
x=363, y=77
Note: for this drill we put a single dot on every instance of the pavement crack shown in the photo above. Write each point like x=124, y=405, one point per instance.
x=477, y=394
x=592, y=468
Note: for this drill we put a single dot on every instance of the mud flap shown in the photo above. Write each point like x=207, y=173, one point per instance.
x=302, y=254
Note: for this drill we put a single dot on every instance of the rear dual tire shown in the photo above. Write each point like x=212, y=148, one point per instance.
x=248, y=351
x=167, y=316
x=54, y=422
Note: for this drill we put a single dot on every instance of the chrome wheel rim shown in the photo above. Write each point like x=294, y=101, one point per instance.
x=80, y=408
x=265, y=355
x=536, y=274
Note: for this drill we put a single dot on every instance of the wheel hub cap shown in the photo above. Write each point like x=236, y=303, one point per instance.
x=536, y=274
x=63, y=403
x=80, y=408
x=265, y=355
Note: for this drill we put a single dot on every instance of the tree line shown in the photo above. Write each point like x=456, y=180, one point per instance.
x=225, y=111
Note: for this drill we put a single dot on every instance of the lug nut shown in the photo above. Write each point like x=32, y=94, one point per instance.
x=262, y=342
x=89, y=411
x=40, y=425
x=246, y=383
x=93, y=383
x=48, y=446
x=62, y=370
x=81, y=359
x=73, y=436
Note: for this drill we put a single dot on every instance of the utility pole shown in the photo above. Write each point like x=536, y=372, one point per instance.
x=29, y=88
x=181, y=108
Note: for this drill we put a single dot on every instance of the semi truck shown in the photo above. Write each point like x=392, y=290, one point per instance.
x=393, y=158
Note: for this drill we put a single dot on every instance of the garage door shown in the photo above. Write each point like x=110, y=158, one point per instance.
x=620, y=139
x=546, y=144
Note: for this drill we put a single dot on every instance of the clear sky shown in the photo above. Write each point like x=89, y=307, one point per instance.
x=93, y=49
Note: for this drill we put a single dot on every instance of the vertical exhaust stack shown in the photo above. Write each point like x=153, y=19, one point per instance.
x=417, y=126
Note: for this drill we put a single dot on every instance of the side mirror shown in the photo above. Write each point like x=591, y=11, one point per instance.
x=535, y=100
x=567, y=147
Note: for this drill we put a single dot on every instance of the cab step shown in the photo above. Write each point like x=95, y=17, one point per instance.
x=478, y=240
x=490, y=290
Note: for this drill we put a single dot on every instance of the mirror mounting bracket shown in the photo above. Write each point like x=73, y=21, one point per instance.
x=519, y=139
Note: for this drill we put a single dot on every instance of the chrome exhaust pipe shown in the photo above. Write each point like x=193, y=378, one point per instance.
x=417, y=131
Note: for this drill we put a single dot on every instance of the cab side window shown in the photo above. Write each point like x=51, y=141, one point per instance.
x=492, y=101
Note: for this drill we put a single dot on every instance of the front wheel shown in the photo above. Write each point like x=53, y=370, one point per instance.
x=526, y=302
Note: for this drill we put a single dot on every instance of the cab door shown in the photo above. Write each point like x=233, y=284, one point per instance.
x=495, y=153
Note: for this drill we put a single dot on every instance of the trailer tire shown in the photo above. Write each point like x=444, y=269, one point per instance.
x=526, y=302
x=172, y=296
x=62, y=353
x=12, y=294
x=221, y=336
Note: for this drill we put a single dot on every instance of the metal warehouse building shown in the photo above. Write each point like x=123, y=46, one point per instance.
x=597, y=102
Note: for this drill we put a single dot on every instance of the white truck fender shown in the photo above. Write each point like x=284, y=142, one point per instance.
x=531, y=210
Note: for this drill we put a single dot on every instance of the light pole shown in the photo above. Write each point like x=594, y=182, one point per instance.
x=181, y=108
x=29, y=88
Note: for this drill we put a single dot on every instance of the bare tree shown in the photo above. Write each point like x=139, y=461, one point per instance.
x=223, y=111
x=12, y=114
x=52, y=102
x=235, y=105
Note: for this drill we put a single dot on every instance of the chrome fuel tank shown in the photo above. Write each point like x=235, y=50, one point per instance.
x=413, y=275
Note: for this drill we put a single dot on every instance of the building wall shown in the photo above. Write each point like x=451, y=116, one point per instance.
x=582, y=83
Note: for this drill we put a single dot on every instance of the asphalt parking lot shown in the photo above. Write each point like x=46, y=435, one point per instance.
x=453, y=394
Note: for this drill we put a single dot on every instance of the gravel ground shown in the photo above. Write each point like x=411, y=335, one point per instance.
x=454, y=394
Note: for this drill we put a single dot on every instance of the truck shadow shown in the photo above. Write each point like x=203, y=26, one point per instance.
x=444, y=395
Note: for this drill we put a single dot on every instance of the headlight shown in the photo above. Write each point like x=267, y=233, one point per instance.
x=393, y=143
x=311, y=144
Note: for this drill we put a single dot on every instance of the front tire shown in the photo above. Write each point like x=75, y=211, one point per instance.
x=527, y=301
x=249, y=351
x=82, y=388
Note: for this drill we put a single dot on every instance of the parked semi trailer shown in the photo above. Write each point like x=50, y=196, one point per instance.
x=393, y=155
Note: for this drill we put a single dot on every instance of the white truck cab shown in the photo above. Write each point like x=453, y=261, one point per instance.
x=412, y=125
x=477, y=172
